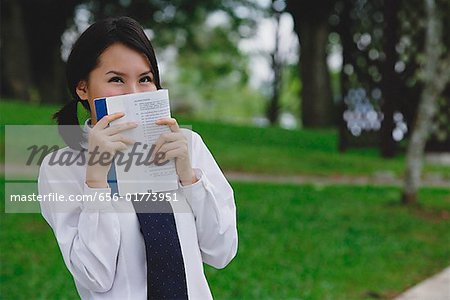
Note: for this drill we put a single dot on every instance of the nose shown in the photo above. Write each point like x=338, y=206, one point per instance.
x=132, y=88
x=136, y=88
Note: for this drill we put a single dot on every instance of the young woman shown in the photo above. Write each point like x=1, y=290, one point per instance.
x=112, y=251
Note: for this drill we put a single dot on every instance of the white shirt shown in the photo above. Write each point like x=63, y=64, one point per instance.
x=105, y=251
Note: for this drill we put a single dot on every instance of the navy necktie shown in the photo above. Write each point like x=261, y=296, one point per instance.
x=166, y=277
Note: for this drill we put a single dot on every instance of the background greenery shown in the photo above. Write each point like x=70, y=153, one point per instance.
x=273, y=150
x=295, y=241
x=305, y=241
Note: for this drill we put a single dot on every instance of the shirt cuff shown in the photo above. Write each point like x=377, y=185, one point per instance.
x=97, y=199
x=196, y=190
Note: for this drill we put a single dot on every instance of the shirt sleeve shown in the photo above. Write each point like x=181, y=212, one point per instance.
x=212, y=201
x=87, y=232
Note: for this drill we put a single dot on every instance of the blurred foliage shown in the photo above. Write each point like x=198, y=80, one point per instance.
x=360, y=27
x=35, y=43
x=290, y=89
x=208, y=75
x=274, y=151
x=441, y=123
x=176, y=22
x=211, y=78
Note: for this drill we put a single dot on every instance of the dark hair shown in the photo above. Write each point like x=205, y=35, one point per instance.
x=84, y=57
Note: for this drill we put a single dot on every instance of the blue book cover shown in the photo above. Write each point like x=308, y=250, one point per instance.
x=100, y=108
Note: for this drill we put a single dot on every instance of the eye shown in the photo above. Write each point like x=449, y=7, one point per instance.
x=116, y=79
x=146, y=79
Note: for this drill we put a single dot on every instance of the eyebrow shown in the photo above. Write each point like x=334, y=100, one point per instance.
x=123, y=74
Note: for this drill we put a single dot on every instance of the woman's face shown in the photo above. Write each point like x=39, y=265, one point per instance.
x=121, y=70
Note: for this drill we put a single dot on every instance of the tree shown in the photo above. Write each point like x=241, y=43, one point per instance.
x=312, y=28
x=380, y=49
x=276, y=61
x=390, y=79
x=31, y=42
x=435, y=75
x=347, y=59
x=210, y=74
x=14, y=80
x=32, y=30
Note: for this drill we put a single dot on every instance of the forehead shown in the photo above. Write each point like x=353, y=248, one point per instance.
x=123, y=57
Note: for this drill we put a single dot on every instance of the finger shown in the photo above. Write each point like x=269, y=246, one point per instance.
x=164, y=138
x=171, y=146
x=175, y=153
x=122, y=138
x=171, y=122
x=120, y=127
x=107, y=119
x=170, y=137
x=120, y=146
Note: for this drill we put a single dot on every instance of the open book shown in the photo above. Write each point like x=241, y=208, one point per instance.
x=134, y=173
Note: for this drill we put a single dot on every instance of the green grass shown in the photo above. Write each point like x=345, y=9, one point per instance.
x=333, y=243
x=300, y=242
x=260, y=150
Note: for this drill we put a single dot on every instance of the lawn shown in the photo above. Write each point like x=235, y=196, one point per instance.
x=303, y=242
x=260, y=150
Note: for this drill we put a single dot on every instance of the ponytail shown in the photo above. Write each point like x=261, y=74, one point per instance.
x=67, y=115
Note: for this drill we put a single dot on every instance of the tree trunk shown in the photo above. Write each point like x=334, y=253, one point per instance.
x=436, y=75
x=45, y=45
x=346, y=43
x=317, y=103
x=311, y=26
x=390, y=85
x=277, y=68
x=31, y=56
x=15, y=79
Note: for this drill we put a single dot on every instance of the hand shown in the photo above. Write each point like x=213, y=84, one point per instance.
x=104, y=142
x=175, y=145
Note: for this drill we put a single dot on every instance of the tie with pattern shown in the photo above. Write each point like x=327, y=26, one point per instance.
x=166, y=277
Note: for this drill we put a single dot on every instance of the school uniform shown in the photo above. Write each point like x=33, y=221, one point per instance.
x=102, y=243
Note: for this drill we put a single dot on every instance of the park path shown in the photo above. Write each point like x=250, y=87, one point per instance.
x=436, y=287
x=377, y=179
x=381, y=179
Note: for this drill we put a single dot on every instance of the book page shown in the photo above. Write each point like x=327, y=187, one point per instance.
x=134, y=174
